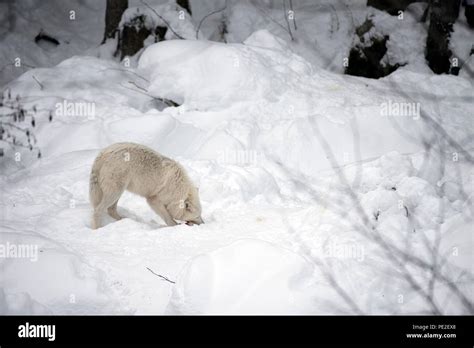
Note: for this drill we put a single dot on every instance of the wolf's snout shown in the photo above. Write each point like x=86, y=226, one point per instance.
x=198, y=221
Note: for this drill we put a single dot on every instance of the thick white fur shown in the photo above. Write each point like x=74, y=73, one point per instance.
x=143, y=171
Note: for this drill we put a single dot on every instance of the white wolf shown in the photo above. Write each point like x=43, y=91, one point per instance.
x=138, y=169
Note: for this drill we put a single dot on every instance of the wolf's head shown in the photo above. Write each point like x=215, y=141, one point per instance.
x=189, y=209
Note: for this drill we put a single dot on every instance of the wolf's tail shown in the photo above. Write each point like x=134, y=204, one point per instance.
x=95, y=192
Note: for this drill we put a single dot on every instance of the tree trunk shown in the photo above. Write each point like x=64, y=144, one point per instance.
x=469, y=12
x=113, y=15
x=365, y=59
x=390, y=6
x=185, y=4
x=132, y=40
x=443, y=14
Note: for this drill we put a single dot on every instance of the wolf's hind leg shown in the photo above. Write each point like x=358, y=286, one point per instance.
x=96, y=219
x=109, y=199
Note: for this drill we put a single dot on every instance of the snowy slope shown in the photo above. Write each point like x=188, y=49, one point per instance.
x=22, y=20
x=266, y=136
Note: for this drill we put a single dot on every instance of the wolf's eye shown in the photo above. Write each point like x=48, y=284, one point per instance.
x=186, y=205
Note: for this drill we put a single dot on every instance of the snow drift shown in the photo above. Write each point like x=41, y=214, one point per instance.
x=248, y=276
x=257, y=139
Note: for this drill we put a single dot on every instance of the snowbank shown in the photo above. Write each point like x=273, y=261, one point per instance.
x=257, y=139
x=246, y=277
x=282, y=97
x=50, y=279
x=20, y=303
x=74, y=25
x=208, y=75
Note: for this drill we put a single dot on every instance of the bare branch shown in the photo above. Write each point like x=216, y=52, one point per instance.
x=128, y=71
x=39, y=83
x=287, y=20
x=293, y=12
x=161, y=276
x=262, y=11
x=208, y=15
x=143, y=91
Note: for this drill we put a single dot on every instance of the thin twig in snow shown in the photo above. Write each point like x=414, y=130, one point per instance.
x=39, y=83
x=139, y=87
x=125, y=70
x=161, y=276
x=141, y=90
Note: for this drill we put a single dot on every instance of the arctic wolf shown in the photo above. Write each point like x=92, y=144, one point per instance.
x=143, y=171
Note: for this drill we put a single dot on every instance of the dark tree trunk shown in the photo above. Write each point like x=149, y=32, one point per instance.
x=365, y=59
x=185, y=4
x=390, y=6
x=132, y=40
x=469, y=13
x=443, y=14
x=160, y=33
x=113, y=15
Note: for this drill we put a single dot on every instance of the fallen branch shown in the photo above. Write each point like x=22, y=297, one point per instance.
x=37, y=81
x=136, y=85
x=141, y=90
x=161, y=276
x=125, y=70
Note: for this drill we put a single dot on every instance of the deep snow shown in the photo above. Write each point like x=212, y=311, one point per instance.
x=266, y=135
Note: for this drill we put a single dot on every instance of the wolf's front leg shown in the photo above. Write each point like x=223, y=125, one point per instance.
x=160, y=209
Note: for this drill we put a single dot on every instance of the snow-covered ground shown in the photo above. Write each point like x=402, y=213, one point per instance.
x=77, y=25
x=318, y=195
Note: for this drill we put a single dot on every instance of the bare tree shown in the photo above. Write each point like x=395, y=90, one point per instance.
x=438, y=54
x=113, y=16
x=209, y=15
